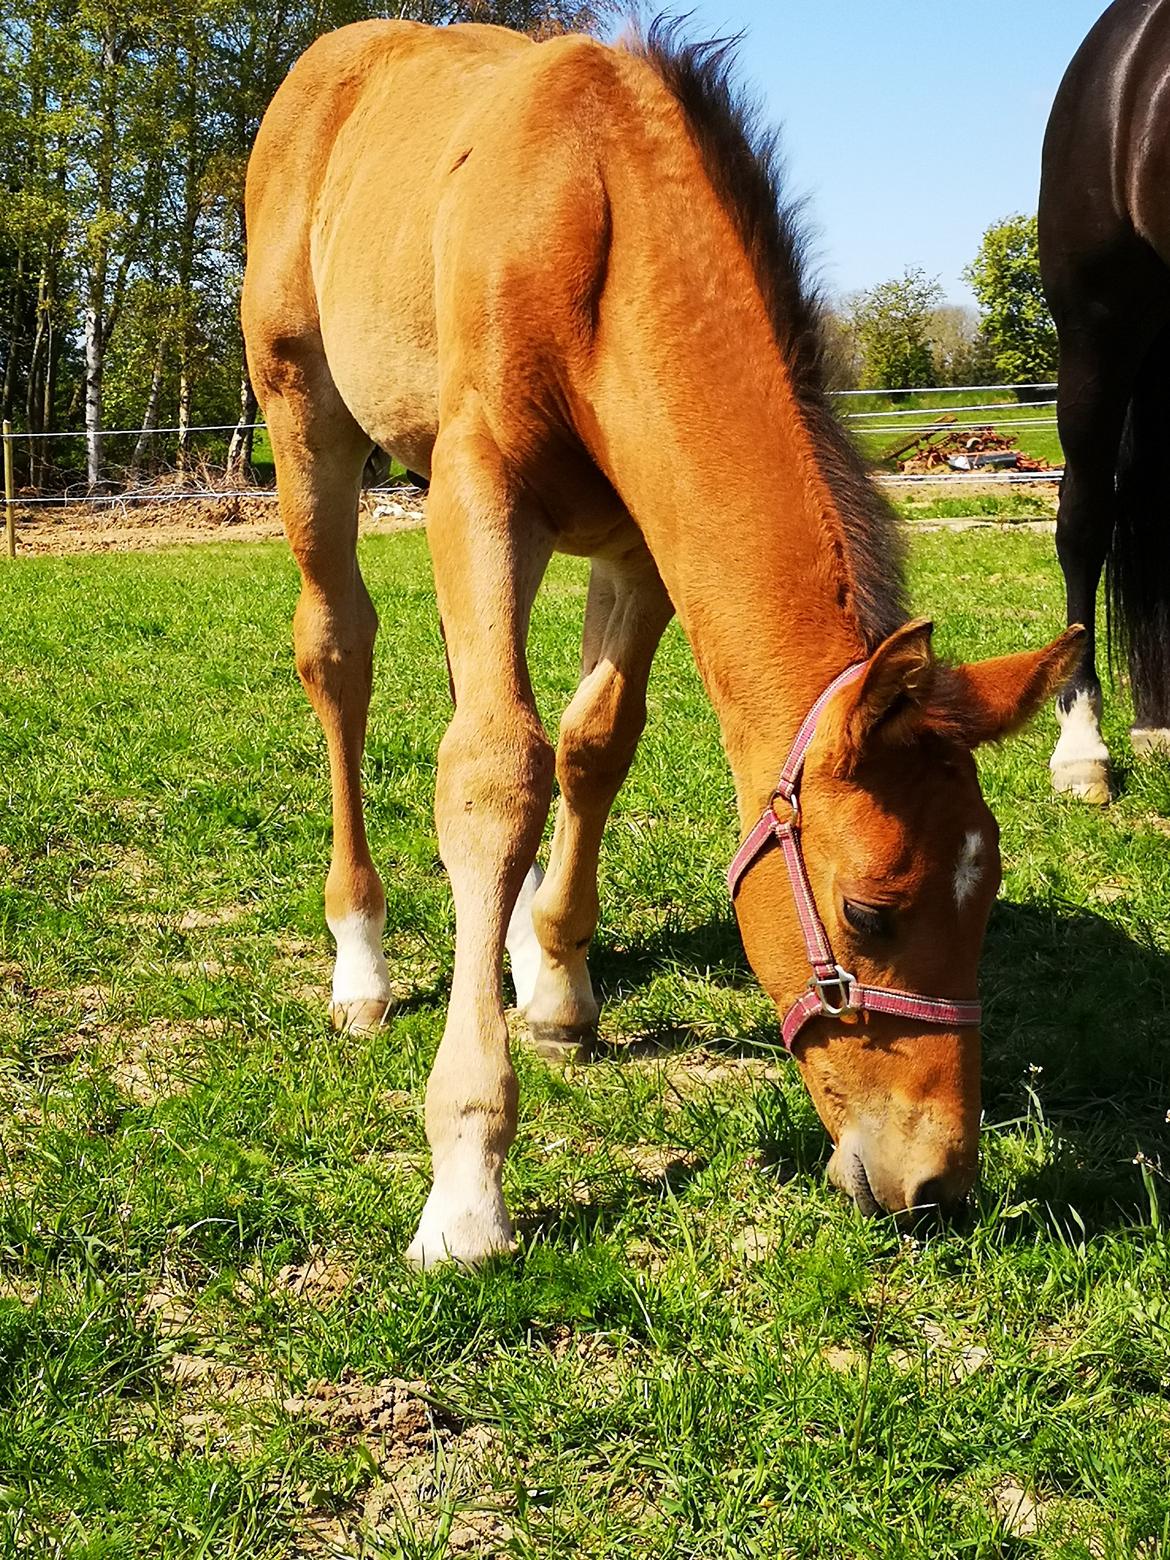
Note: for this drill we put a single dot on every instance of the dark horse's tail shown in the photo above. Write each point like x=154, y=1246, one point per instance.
x=1138, y=567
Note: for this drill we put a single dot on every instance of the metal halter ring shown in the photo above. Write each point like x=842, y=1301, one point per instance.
x=843, y=982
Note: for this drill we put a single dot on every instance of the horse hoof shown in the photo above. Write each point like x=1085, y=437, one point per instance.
x=1086, y=779
x=361, y=1017
x=564, y=1045
x=460, y=1253
x=1147, y=740
x=467, y=1237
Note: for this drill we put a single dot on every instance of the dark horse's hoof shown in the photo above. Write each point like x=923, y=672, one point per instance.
x=565, y=1045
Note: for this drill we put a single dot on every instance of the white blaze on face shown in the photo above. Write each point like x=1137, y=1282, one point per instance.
x=970, y=868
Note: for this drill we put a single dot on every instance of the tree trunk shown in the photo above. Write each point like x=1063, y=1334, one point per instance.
x=94, y=372
x=15, y=325
x=239, y=461
x=49, y=399
x=184, y=419
x=149, y=416
x=34, y=391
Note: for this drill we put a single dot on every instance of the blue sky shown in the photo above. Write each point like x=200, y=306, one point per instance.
x=911, y=124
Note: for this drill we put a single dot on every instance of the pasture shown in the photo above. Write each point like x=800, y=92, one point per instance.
x=208, y=1343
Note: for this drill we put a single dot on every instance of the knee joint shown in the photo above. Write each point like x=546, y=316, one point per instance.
x=327, y=641
x=596, y=744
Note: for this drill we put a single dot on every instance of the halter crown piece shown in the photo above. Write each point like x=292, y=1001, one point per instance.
x=832, y=990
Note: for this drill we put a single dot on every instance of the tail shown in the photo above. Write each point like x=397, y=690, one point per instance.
x=1137, y=576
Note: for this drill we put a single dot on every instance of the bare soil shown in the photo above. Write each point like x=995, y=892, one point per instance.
x=140, y=527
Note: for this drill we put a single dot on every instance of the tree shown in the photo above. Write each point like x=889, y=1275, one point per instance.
x=961, y=352
x=127, y=126
x=840, y=355
x=892, y=322
x=1005, y=278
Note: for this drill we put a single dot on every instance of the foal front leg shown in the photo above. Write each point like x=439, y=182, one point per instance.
x=491, y=799
x=626, y=613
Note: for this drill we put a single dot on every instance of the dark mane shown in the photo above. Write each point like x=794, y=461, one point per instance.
x=743, y=162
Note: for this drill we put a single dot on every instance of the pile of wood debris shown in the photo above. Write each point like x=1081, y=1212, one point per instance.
x=943, y=448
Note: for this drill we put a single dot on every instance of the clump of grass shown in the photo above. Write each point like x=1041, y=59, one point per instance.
x=1003, y=504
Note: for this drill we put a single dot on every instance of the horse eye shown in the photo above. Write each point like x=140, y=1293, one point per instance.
x=869, y=920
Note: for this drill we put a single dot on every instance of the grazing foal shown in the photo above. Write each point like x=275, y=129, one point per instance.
x=556, y=279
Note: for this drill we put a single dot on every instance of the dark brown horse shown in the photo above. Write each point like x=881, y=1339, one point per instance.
x=1105, y=258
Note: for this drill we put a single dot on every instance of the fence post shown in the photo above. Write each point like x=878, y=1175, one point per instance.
x=9, y=512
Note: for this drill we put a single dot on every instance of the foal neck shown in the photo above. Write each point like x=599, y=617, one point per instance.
x=744, y=527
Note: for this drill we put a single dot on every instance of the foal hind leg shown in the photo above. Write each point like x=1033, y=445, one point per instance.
x=492, y=796
x=1094, y=392
x=626, y=613
x=320, y=453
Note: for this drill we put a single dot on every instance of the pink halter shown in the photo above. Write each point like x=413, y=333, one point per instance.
x=832, y=990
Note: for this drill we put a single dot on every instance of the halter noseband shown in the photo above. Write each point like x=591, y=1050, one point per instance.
x=832, y=990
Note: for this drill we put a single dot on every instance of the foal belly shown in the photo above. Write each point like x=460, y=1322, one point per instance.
x=382, y=361
x=392, y=395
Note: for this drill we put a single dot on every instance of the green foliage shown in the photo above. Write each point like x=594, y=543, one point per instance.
x=127, y=126
x=961, y=351
x=892, y=322
x=1005, y=278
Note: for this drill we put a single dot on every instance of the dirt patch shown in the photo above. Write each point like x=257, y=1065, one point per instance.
x=430, y=1469
x=222, y=915
x=656, y=1161
x=25, y=1290
x=318, y=1278
x=215, y=1405
x=69, y=529
x=692, y=1072
x=203, y=1378
x=157, y=1062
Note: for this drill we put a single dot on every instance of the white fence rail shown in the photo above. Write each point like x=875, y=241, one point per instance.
x=950, y=416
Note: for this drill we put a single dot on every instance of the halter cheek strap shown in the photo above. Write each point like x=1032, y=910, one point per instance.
x=832, y=990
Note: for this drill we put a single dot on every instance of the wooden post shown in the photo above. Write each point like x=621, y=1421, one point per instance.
x=9, y=512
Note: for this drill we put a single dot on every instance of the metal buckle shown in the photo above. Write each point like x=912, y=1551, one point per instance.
x=842, y=982
x=791, y=802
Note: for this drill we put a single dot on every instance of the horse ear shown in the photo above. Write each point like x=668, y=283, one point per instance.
x=889, y=698
x=984, y=701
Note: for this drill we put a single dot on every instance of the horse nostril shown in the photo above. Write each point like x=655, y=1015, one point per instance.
x=930, y=1196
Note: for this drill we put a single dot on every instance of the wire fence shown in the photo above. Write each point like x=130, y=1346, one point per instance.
x=164, y=467
x=1023, y=408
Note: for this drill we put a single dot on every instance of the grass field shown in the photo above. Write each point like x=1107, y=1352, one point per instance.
x=208, y=1343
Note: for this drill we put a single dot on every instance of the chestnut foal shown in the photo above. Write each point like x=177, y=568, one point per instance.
x=557, y=279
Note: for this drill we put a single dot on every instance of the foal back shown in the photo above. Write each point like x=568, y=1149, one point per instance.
x=420, y=220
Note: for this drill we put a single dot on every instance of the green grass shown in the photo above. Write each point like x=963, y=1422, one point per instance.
x=1003, y=504
x=701, y=1351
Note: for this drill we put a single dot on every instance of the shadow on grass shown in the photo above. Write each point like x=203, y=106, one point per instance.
x=1077, y=1038
x=1064, y=990
x=1076, y=1035
x=1070, y=993
x=713, y=947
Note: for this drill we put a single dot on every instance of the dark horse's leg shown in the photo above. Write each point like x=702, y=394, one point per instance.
x=1138, y=570
x=1096, y=377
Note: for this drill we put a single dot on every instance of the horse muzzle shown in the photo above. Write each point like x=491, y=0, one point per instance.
x=919, y=1177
